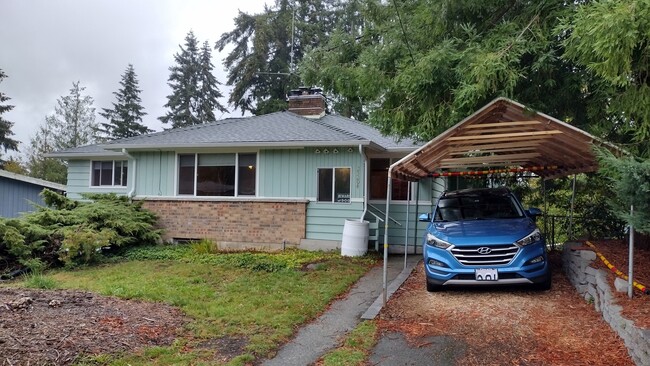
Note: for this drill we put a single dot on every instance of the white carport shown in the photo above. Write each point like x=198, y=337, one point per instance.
x=503, y=134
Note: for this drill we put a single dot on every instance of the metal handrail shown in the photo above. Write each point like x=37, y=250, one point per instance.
x=375, y=215
x=382, y=212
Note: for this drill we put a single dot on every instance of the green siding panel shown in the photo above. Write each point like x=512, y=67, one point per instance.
x=292, y=172
x=155, y=173
x=325, y=221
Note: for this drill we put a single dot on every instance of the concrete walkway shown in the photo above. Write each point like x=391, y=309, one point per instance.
x=363, y=301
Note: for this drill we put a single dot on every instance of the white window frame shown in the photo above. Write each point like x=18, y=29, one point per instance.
x=125, y=183
x=333, y=169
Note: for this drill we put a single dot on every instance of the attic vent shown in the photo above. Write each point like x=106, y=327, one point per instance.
x=307, y=102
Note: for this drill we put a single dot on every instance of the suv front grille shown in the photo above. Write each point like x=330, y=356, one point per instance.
x=472, y=255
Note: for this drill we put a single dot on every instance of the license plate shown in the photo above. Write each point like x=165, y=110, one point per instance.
x=486, y=274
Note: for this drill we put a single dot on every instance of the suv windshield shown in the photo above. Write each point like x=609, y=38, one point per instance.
x=477, y=206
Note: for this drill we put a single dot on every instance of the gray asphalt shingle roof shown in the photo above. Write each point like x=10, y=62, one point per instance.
x=275, y=129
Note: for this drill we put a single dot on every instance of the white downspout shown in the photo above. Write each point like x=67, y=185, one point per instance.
x=365, y=182
x=132, y=191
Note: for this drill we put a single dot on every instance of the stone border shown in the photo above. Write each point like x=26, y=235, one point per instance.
x=593, y=285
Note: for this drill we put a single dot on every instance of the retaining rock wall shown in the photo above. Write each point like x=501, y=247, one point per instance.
x=594, y=285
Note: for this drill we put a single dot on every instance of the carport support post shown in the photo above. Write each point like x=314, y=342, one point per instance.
x=630, y=260
x=408, y=216
x=389, y=184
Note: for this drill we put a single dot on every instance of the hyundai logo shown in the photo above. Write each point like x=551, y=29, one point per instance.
x=484, y=250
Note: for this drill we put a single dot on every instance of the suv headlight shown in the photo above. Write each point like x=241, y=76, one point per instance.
x=435, y=242
x=531, y=238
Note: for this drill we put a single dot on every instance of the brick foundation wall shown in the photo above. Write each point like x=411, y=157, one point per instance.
x=232, y=224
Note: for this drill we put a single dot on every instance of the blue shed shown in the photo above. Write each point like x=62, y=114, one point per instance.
x=17, y=191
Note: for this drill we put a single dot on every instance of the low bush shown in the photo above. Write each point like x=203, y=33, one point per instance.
x=72, y=232
x=290, y=259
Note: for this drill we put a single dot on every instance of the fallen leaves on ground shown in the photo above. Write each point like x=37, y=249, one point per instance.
x=637, y=308
x=507, y=325
x=58, y=326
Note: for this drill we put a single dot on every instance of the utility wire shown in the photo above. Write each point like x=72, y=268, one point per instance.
x=406, y=40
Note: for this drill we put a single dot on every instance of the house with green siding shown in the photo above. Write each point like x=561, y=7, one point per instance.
x=285, y=179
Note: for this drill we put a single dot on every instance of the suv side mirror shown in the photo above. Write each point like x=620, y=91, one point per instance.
x=534, y=212
x=425, y=217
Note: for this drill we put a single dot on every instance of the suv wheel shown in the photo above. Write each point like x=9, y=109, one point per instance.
x=432, y=287
x=546, y=284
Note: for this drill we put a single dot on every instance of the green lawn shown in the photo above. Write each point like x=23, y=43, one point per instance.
x=260, y=297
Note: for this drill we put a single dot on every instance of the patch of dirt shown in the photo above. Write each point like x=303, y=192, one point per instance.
x=616, y=252
x=507, y=325
x=56, y=327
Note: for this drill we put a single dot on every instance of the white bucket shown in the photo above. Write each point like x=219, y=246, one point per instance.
x=355, y=238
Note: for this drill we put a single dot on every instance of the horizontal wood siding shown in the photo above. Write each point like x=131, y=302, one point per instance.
x=396, y=233
x=155, y=173
x=79, y=180
x=15, y=197
x=325, y=221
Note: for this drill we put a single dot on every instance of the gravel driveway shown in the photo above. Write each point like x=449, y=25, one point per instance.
x=494, y=326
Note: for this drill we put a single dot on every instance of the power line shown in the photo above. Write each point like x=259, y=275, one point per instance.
x=406, y=40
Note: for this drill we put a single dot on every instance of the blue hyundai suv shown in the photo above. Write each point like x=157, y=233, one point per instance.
x=483, y=237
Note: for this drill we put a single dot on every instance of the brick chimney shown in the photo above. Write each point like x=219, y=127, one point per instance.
x=307, y=102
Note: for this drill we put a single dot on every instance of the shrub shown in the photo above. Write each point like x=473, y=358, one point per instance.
x=73, y=232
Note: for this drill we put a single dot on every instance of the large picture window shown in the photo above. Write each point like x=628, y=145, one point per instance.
x=217, y=174
x=334, y=185
x=109, y=173
x=379, y=182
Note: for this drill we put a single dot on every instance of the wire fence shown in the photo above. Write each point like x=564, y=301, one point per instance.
x=558, y=229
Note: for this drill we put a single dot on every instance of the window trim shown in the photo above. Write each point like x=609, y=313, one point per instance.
x=125, y=164
x=196, y=175
x=333, y=169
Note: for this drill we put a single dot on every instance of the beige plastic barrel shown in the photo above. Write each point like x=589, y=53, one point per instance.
x=355, y=238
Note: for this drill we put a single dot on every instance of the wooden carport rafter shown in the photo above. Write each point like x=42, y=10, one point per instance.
x=504, y=134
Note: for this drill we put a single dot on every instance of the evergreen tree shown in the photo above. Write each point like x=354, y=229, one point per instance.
x=6, y=142
x=37, y=164
x=73, y=122
x=209, y=94
x=194, y=89
x=268, y=45
x=125, y=117
x=419, y=67
x=71, y=125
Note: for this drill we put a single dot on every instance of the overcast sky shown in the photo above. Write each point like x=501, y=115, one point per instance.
x=47, y=44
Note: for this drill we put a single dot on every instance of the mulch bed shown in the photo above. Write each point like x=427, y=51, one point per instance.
x=56, y=327
x=507, y=325
x=616, y=252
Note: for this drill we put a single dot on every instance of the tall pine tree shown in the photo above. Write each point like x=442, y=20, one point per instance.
x=209, y=94
x=6, y=142
x=125, y=117
x=194, y=88
x=267, y=46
